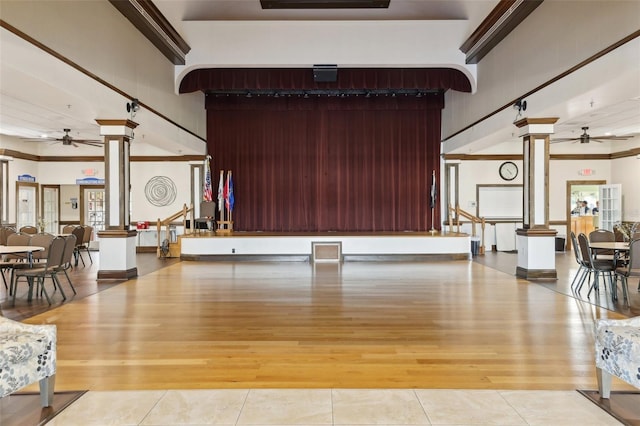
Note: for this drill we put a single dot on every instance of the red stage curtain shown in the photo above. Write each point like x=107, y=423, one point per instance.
x=327, y=163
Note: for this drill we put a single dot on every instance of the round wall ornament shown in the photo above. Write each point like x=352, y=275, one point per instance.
x=160, y=191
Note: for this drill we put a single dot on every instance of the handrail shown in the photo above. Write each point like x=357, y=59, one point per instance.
x=167, y=221
x=474, y=219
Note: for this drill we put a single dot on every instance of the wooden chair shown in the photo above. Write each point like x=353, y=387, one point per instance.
x=36, y=275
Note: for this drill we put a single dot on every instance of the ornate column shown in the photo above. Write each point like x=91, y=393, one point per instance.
x=535, y=242
x=117, y=241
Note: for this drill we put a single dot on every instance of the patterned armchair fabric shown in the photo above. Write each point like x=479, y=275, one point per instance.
x=27, y=355
x=617, y=352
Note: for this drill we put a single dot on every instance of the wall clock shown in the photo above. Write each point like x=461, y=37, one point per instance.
x=508, y=170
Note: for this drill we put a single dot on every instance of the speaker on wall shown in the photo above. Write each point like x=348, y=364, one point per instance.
x=325, y=73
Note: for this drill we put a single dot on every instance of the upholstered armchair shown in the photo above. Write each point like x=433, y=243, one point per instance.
x=617, y=352
x=27, y=355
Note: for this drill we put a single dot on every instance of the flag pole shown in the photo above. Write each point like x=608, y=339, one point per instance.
x=433, y=200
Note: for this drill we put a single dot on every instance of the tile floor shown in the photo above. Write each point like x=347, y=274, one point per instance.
x=333, y=407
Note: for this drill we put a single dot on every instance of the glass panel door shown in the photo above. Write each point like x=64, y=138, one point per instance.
x=50, y=209
x=93, y=209
x=610, y=208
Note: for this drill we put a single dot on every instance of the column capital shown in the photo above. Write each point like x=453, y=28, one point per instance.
x=536, y=126
x=110, y=127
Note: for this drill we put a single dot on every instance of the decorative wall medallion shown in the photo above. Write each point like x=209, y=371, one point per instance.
x=160, y=191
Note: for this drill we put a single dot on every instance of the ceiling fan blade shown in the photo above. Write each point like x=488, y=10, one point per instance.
x=611, y=138
x=564, y=140
x=92, y=143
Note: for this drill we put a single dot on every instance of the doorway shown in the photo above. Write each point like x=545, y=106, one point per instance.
x=92, y=209
x=580, y=190
x=50, y=214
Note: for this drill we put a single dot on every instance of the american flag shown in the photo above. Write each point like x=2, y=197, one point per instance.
x=221, y=191
x=207, y=191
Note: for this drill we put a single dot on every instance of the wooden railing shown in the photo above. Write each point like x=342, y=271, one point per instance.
x=166, y=222
x=458, y=212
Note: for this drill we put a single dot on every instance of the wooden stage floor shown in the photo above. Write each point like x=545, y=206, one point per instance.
x=456, y=324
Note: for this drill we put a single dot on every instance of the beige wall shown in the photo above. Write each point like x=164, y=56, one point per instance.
x=96, y=36
x=556, y=36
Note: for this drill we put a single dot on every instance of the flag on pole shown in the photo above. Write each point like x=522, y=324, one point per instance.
x=207, y=191
x=231, y=197
x=434, y=191
x=221, y=191
x=228, y=192
x=225, y=192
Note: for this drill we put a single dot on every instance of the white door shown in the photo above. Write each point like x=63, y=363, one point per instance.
x=610, y=205
x=27, y=205
x=51, y=209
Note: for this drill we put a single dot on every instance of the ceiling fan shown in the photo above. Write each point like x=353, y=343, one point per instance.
x=67, y=140
x=586, y=138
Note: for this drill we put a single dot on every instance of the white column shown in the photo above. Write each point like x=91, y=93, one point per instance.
x=535, y=242
x=117, y=241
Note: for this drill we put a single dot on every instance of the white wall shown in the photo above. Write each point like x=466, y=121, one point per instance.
x=95, y=35
x=66, y=173
x=556, y=36
x=626, y=171
x=141, y=172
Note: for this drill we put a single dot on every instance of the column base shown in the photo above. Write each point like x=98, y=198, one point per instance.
x=117, y=255
x=536, y=274
x=536, y=254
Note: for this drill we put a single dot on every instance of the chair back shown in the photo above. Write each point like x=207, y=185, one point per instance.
x=634, y=257
x=576, y=249
x=28, y=229
x=56, y=250
x=41, y=240
x=17, y=240
x=86, y=236
x=585, y=250
x=68, y=229
x=69, y=247
x=5, y=231
x=79, y=233
x=602, y=236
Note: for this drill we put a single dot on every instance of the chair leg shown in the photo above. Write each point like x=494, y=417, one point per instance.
x=604, y=383
x=46, y=390
x=56, y=283
x=4, y=279
x=69, y=280
x=89, y=253
x=625, y=289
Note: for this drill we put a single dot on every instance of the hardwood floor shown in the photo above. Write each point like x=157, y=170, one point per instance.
x=459, y=324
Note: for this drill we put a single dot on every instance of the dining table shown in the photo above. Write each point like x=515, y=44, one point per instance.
x=26, y=250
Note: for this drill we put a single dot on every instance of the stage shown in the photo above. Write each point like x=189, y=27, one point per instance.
x=325, y=246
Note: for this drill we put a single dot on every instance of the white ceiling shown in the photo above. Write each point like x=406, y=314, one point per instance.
x=33, y=103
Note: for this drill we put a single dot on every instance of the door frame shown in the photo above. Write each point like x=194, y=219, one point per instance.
x=569, y=207
x=82, y=201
